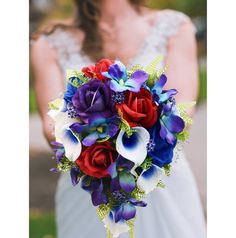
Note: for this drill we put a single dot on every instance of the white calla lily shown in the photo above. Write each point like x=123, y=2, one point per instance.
x=71, y=143
x=133, y=148
x=62, y=131
x=149, y=179
x=115, y=228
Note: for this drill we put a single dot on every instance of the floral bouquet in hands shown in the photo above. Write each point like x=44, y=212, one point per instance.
x=116, y=130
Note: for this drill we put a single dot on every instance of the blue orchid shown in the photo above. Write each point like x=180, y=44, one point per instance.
x=121, y=176
x=98, y=129
x=171, y=123
x=160, y=95
x=122, y=184
x=119, y=80
x=95, y=187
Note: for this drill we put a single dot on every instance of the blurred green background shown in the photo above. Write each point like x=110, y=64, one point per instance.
x=42, y=224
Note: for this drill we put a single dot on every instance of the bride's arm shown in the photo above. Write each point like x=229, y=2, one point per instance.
x=48, y=82
x=182, y=61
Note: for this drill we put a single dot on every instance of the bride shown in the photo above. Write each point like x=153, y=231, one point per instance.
x=126, y=30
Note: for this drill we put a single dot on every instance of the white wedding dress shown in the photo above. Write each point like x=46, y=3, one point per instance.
x=172, y=212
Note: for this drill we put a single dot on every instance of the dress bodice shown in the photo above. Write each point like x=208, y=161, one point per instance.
x=165, y=26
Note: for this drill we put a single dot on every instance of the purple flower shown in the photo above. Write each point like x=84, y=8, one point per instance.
x=171, y=123
x=119, y=80
x=93, y=99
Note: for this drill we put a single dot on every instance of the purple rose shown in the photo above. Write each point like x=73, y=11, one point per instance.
x=92, y=100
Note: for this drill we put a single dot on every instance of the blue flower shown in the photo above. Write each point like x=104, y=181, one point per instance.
x=160, y=95
x=171, y=123
x=119, y=80
x=162, y=153
x=70, y=92
x=98, y=129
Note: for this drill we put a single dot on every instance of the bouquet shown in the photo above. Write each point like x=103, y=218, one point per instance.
x=116, y=130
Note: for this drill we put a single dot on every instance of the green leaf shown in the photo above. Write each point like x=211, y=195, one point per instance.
x=151, y=69
x=183, y=136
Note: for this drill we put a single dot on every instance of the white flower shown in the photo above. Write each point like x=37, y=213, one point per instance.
x=133, y=148
x=115, y=228
x=149, y=178
x=63, y=133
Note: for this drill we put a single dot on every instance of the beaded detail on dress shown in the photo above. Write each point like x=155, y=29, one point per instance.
x=166, y=25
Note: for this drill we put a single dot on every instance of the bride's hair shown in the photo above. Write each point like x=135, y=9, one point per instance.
x=88, y=13
x=86, y=18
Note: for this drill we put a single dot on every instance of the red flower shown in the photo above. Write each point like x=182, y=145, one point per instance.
x=97, y=70
x=95, y=160
x=89, y=71
x=138, y=109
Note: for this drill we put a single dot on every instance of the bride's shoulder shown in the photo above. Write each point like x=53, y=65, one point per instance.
x=174, y=23
x=58, y=37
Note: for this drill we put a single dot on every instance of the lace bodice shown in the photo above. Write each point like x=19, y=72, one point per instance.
x=166, y=25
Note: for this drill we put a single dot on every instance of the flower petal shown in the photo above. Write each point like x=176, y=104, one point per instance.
x=74, y=172
x=116, y=87
x=136, y=80
x=71, y=143
x=127, y=182
x=133, y=148
x=174, y=123
x=129, y=211
x=112, y=170
x=157, y=88
x=90, y=139
x=149, y=179
x=115, y=228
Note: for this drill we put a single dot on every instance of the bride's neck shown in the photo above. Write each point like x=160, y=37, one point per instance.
x=114, y=10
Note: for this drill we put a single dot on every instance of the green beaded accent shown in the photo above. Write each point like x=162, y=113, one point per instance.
x=137, y=193
x=55, y=104
x=65, y=165
x=160, y=184
x=167, y=168
x=147, y=163
x=103, y=211
x=134, y=68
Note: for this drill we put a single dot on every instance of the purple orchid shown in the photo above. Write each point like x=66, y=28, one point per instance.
x=171, y=123
x=160, y=95
x=98, y=129
x=96, y=189
x=119, y=80
x=125, y=206
x=121, y=176
x=59, y=150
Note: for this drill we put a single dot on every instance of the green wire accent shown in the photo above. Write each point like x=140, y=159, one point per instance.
x=124, y=125
x=109, y=234
x=130, y=223
x=160, y=184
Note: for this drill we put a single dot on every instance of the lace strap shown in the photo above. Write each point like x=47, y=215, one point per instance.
x=64, y=43
x=166, y=26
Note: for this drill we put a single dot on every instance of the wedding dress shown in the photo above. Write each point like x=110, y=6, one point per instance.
x=172, y=212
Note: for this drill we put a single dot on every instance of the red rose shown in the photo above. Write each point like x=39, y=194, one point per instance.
x=95, y=160
x=89, y=71
x=138, y=109
x=97, y=70
x=102, y=66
